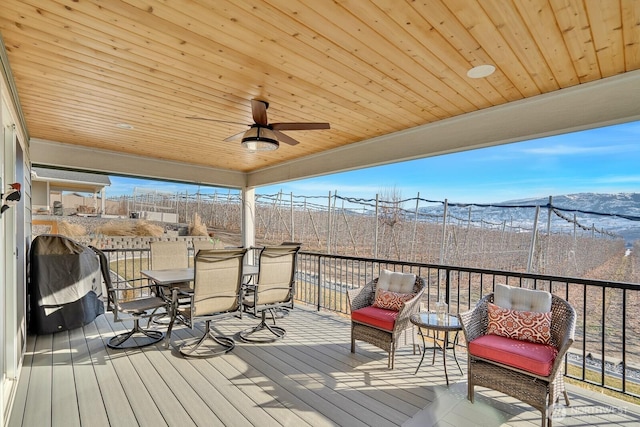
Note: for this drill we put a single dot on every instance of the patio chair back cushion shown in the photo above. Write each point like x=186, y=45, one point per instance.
x=522, y=299
x=394, y=281
x=218, y=278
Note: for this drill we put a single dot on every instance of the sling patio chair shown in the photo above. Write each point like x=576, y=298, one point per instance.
x=143, y=304
x=217, y=294
x=166, y=256
x=203, y=244
x=273, y=290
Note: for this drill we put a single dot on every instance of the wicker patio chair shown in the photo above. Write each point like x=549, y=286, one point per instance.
x=273, y=290
x=385, y=338
x=140, y=307
x=539, y=391
x=217, y=294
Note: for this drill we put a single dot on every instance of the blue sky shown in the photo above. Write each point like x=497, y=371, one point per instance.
x=604, y=160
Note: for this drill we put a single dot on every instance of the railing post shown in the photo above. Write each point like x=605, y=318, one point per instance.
x=319, y=282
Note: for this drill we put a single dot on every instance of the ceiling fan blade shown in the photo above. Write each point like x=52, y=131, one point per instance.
x=215, y=120
x=235, y=137
x=285, y=138
x=259, y=111
x=300, y=126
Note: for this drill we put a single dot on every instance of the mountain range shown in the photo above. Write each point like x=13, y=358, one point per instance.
x=600, y=210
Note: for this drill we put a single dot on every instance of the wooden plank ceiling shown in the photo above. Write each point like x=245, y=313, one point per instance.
x=369, y=68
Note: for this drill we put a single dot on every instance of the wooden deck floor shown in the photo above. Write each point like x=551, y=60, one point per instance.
x=309, y=378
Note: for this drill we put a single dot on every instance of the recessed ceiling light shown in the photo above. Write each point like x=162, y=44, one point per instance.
x=481, y=71
x=124, y=126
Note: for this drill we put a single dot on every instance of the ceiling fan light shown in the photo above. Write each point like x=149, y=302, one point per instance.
x=259, y=138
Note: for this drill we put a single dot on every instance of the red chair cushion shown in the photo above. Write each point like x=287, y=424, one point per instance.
x=528, y=356
x=374, y=316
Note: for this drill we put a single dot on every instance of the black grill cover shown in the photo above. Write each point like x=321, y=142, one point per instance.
x=65, y=285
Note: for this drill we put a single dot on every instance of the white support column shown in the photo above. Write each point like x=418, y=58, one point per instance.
x=248, y=217
x=49, y=206
x=103, y=201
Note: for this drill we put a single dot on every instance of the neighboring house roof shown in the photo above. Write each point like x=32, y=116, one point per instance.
x=70, y=180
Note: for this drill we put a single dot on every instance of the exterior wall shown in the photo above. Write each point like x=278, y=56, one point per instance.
x=15, y=237
x=40, y=197
x=159, y=216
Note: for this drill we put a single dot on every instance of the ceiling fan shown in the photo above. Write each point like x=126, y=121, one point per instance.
x=262, y=135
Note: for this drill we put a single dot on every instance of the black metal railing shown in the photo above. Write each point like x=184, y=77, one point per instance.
x=606, y=351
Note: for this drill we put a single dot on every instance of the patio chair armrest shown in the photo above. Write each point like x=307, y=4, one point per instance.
x=474, y=321
x=563, y=325
x=134, y=287
x=408, y=308
x=362, y=297
x=115, y=291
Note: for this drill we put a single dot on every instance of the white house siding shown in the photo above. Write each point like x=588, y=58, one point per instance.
x=15, y=235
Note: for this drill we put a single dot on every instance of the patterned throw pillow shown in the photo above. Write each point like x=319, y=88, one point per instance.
x=520, y=325
x=391, y=300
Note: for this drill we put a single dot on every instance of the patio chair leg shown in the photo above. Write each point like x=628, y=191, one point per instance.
x=277, y=331
x=189, y=349
x=353, y=341
x=150, y=319
x=167, y=342
x=118, y=342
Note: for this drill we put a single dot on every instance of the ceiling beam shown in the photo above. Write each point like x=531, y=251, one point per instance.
x=67, y=156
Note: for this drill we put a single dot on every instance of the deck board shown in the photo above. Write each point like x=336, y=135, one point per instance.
x=255, y=384
x=289, y=362
x=20, y=398
x=136, y=392
x=39, y=391
x=63, y=384
x=309, y=378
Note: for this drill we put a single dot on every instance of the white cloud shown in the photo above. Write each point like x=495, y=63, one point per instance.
x=568, y=150
x=622, y=179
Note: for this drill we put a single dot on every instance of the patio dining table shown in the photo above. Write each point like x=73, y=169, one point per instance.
x=170, y=276
x=174, y=276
